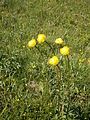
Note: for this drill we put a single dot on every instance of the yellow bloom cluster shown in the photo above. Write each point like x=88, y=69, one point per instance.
x=31, y=43
x=59, y=41
x=53, y=61
x=65, y=50
x=41, y=38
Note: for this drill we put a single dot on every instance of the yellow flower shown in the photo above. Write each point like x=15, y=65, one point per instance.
x=53, y=61
x=31, y=43
x=41, y=38
x=65, y=50
x=59, y=41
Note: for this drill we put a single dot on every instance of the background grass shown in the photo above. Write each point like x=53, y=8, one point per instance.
x=27, y=83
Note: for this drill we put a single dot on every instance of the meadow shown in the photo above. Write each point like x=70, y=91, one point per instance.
x=31, y=87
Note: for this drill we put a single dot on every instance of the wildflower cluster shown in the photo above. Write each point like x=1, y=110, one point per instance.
x=64, y=50
x=32, y=43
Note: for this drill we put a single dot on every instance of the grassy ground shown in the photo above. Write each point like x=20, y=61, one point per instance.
x=28, y=86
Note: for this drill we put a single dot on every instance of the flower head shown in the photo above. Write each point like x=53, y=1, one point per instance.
x=59, y=41
x=31, y=43
x=65, y=50
x=53, y=61
x=41, y=38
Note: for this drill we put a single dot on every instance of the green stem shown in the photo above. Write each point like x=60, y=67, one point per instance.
x=59, y=85
x=68, y=63
x=39, y=50
x=50, y=47
x=58, y=71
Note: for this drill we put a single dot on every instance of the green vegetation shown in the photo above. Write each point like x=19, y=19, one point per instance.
x=31, y=89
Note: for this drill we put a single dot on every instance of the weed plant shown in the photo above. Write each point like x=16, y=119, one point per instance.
x=40, y=80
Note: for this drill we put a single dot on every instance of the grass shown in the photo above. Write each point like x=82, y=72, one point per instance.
x=28, y=85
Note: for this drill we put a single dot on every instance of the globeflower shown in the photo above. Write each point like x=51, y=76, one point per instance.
x=31, y=43
x=59, y=41
x=53, y=61
x=41, y=38
x=65, y=50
